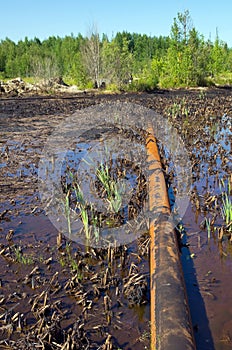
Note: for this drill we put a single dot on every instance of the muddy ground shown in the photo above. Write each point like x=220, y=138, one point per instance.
x=55, y=294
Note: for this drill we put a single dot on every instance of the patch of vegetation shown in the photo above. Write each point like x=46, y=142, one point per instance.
x=226, y=209
x=179, y=109
x=22, y=258
x=220, y=79
x=112, y=188
x=182, y=59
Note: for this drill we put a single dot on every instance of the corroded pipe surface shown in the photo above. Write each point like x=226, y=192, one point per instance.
x=171, y=327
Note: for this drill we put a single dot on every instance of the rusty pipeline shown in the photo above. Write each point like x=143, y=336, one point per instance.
x=171, y=327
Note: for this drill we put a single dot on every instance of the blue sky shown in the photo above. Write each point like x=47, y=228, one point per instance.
x=43, y=18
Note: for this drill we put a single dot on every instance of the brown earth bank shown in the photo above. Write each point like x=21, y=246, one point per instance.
x=56, y=294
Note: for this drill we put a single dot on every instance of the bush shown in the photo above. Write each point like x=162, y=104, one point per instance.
x=223, y=79
x=112, y=87
x=142, y=84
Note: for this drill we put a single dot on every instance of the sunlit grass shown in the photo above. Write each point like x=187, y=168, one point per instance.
x=226, y=209
x=87, y=212
x=220, y=79
x=95, y=224
x=82, y=206
x=208, y=226
x=113, y=189
x=21, y=258
x=67, y=212
x=179, y=109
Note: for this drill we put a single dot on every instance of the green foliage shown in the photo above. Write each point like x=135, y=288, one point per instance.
x=113, y=189
x=113, y=87
x=21, y=258
x=218, y=58
x=86, y=211
x=226, y=208
x=67, y=212
x=90, y=51
x=178, y=109
x=182, y=59
x=117, y=61
x=222, y=79
x=187, y=55
x=143, y=84
x=71, y=261
x=208, y=226
x=83, y=208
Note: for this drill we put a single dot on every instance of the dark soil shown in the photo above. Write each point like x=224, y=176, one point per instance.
x=56, y=294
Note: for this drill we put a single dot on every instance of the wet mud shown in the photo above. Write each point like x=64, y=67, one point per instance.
x=56, y=294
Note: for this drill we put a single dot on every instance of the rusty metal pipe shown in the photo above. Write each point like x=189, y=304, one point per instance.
x=171, y=327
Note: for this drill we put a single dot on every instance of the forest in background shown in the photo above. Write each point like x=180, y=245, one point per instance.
x=126, y=61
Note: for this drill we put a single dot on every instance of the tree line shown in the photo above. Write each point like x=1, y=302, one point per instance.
x=127, y=60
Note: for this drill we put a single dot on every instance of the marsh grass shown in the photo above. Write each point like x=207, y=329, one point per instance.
x=202, y=94
x=95, y=223
x=72, y=262
x=67, y=212
x=226, y=209
x=82, y=206
x=113, y=189
x=68, y=259
x=208, y=226
x=110, y=181
x=87, y=212
x=115, y=201
x=179, y=109
x=103, y=175
x=21, y=258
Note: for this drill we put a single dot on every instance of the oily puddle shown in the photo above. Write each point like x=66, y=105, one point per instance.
x=56, y=291
x=206, y=250
x=96, y=190
x=208, y=229
x=53, y=290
